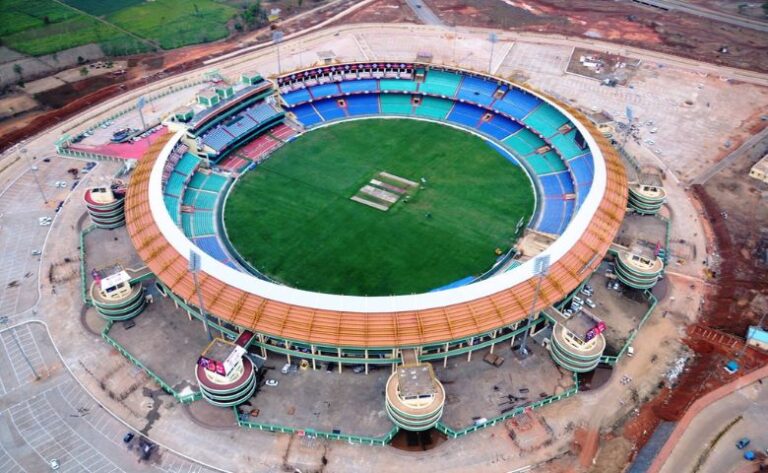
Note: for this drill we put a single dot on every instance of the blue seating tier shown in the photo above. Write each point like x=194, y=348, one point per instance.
x=296, y=97
x=500, y=127
x=306, y=114
x=362, y=85
x=363, y=104
x=211, y=245
x=325, y=90
x=329, y=109
x=465, y=114
x=476, y=90
x=517, y=103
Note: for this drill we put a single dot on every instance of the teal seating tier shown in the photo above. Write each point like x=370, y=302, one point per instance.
x=187, y=164
x=567, y=146
x=214, y=183
x=397, y=85
x=189, y=197
x=396, y=104
x=524, y=142
x=197, y=180
x=546, y=163
x=186, y=224
x=440, y=83
x=545, y=119
x=175, y=185
x=205, y=200
x=202, y=223
x=172, y=204
x=434, y=108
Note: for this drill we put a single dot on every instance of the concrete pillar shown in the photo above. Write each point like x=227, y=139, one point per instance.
x=366, y=361
x=493, y=336
x=262, y=342
x=469, y=353
x=312, y=350
x=338, y=350
x=445, y=358
x=288, y=347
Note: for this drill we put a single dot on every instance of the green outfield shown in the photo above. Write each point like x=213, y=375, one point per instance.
x=292, y=217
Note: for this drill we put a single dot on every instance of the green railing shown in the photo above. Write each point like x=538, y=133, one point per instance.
x=182, y=398
x=612, y=360
x=361, y=439
x=516, y=411
x=667, y=238
x=83, y=266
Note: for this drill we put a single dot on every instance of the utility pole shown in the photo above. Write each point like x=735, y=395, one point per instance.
x=277, y=36
x=33, y=168
x=540, y=269
x=493, y=38
x=194, y=268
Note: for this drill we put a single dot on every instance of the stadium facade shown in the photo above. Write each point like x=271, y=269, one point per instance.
x=176, y=193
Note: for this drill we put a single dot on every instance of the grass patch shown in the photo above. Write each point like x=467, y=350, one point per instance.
x=20, y=15
x=292, y=217
x=102, y=7
x=66, y=34
x=39, y=27
x=175, y=23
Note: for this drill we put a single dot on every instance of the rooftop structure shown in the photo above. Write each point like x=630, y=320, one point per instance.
x=759, y=170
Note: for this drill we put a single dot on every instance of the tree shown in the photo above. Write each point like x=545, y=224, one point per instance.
x=83, y=71
x=18, y=69
x=46, y=20
x=197, y=10
x=80, y=60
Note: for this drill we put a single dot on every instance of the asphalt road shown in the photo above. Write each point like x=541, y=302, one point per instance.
x=751, y=403
x=700, y=11
x=425, y=14
x=754, y=143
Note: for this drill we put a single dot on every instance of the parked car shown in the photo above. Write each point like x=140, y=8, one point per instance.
x=590, y=303
x=271, y=382
x=743, y=442
x=128, y=437
x=286, y=368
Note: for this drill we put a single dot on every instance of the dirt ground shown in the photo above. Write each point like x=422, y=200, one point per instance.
x=384, y=11
x=15, y=104
x=620, y=22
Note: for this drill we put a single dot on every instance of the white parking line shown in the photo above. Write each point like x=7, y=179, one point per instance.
x=53, y=438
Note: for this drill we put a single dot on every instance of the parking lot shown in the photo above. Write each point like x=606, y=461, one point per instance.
x=46, y=415
x=22, y=206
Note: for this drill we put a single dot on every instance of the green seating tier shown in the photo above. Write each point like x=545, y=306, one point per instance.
x=545, y=119
x=566, y=144
x=401, y=85
x=434, y=108
x=396, y=104
x=546, y=163
x=524, y=142
x=440, y=83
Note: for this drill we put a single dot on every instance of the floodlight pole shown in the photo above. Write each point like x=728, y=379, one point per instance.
x=194, y=268
x=34, y=175
x=492, y=38
x=540, y=268
x=277, y=36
